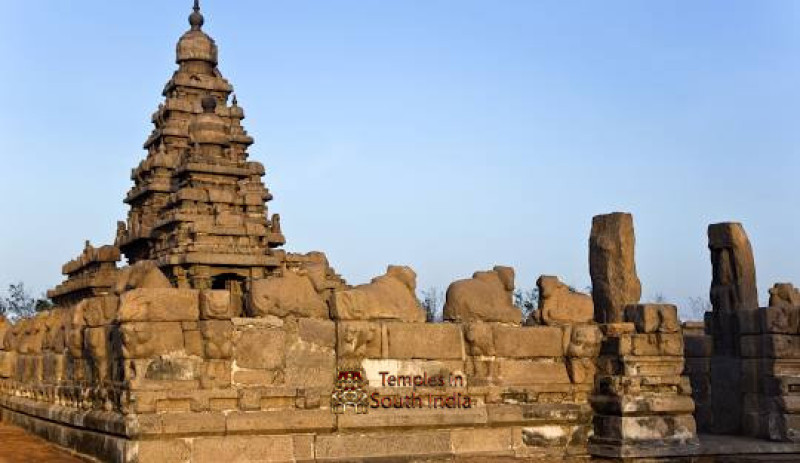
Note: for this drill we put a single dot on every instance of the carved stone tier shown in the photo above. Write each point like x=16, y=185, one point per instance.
x=93, y=273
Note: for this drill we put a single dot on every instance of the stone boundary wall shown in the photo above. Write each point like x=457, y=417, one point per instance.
x=170, y=375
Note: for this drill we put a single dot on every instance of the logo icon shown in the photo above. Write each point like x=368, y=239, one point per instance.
x=350, y=391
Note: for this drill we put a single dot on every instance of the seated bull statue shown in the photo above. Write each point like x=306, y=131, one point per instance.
x=784, y=295
x=142, y=274
x=560, y=305
x=292, y=293
x=484, y=297
x=390, y=297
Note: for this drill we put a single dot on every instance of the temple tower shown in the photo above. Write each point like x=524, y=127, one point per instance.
x=197, y=206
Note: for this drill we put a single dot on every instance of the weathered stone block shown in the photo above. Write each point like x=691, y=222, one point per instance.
x=425, y=341
x=250, y=378
x=529, y=341
x=617, y=329
x=217, y=338
x=633, y=429
x=653, y=318
x=781, y=320
x=97, y=342
x=584, y=341
x=8, y=362
x=653, y=366
x=546, y=435
x=666, y=404
x=581, y=370
x=164, y=451
x=216, y=305
x=727, y=384
x=100, y=311
x=526, y=372
x=216, y=374
x=159, y=305
x=170, y=368
x=309, y=365
x=281, y=421
x=360, y=446
x=359, y=340
x=193, y=423
x=413, y=417
x=193, y=343
x=481, y=441
x=148, y=339
x=260, y=348
x=750, y=321
x=771, y=346
x=479, y=338
x=318, y=332
x=654, y=344
x=698, y=346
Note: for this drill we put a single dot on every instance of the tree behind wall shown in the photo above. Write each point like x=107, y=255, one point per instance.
x=17, y=303
x=433, y=303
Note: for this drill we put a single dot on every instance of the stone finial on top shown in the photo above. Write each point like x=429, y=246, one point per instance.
x=196, y=19
x=195, y=45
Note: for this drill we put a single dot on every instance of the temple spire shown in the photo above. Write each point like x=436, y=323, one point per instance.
x=196, y=19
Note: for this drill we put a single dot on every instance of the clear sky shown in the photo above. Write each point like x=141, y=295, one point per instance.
x=446, y=135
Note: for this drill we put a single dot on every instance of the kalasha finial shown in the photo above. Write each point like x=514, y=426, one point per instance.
x=196, y=19
x=209, y=104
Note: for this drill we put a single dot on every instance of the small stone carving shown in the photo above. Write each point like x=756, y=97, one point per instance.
x=143, y=340
x=216, y=304
x=560, y=305
x=359, y=340
x=480, y=339
x=784, y=295
x=217, y=338
x=484, y=297
x=389, y=296
x=159, y=305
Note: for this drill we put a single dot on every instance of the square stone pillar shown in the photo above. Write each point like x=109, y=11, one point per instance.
x=642, y=402
x=733, y=290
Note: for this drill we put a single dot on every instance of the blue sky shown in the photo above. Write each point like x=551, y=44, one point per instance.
x=446, y=135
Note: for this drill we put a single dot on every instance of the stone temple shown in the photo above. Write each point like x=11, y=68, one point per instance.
x=213, y=344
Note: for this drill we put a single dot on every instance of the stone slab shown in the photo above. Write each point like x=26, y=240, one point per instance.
x=425, y=341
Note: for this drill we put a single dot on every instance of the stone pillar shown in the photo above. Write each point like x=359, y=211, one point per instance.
x=643, y=405
x=612, y=266
x=733, y=290
x=770, y=350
